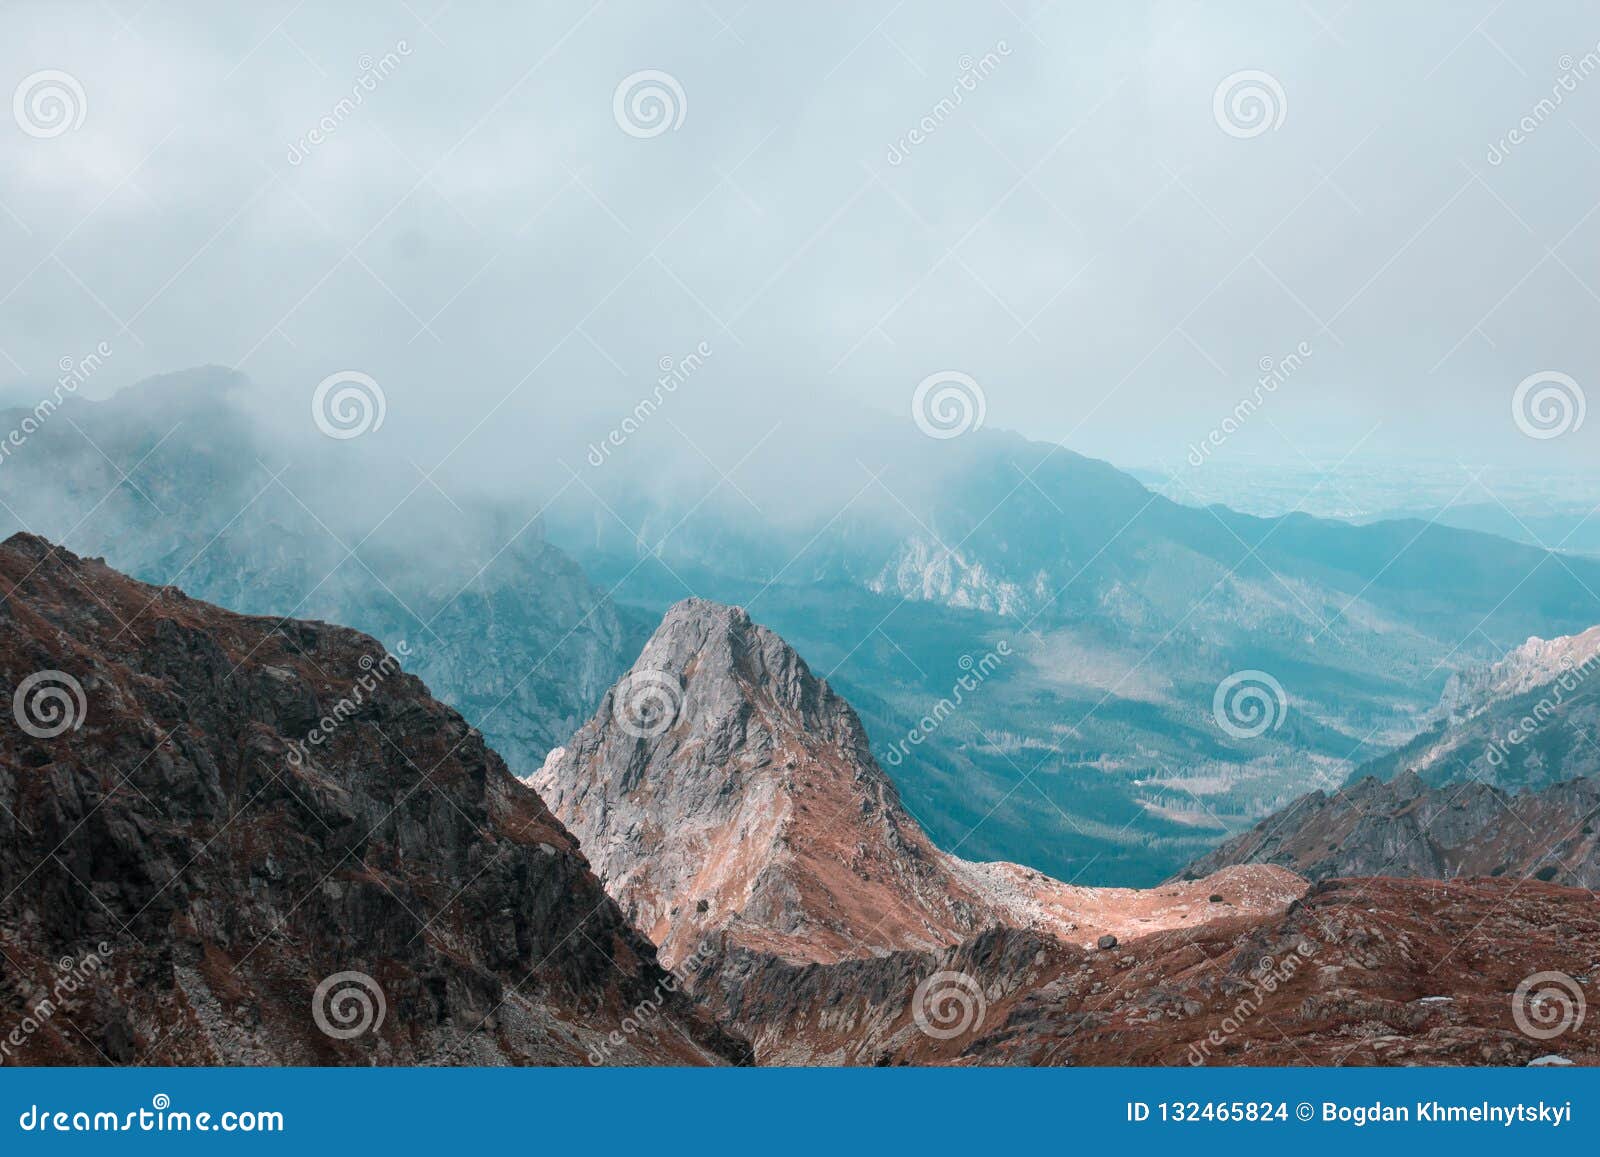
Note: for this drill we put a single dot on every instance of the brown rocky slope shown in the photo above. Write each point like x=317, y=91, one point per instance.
x=1359, y=972
x=211, y=820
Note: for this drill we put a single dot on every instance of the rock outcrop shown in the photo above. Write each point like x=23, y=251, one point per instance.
x=1405, y=827
x=234, y=840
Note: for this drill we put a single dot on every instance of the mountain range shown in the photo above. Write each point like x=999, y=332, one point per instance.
x=276, y=847
x=1101, y=618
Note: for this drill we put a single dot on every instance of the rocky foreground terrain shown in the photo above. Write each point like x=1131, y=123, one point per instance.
x=259, y=842
x=1359, y=972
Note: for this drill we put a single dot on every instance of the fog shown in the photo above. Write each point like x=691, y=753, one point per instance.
x=1056, y=200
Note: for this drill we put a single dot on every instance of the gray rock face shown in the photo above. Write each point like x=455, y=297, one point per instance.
x=1407, y=828
x=248, y=810
x=722, y=786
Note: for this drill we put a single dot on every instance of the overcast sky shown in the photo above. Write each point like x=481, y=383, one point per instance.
x=1106, y=250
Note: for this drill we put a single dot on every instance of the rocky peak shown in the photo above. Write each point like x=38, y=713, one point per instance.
x=724, y=791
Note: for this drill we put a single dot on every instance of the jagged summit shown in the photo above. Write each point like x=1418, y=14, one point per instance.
x=723, y=787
